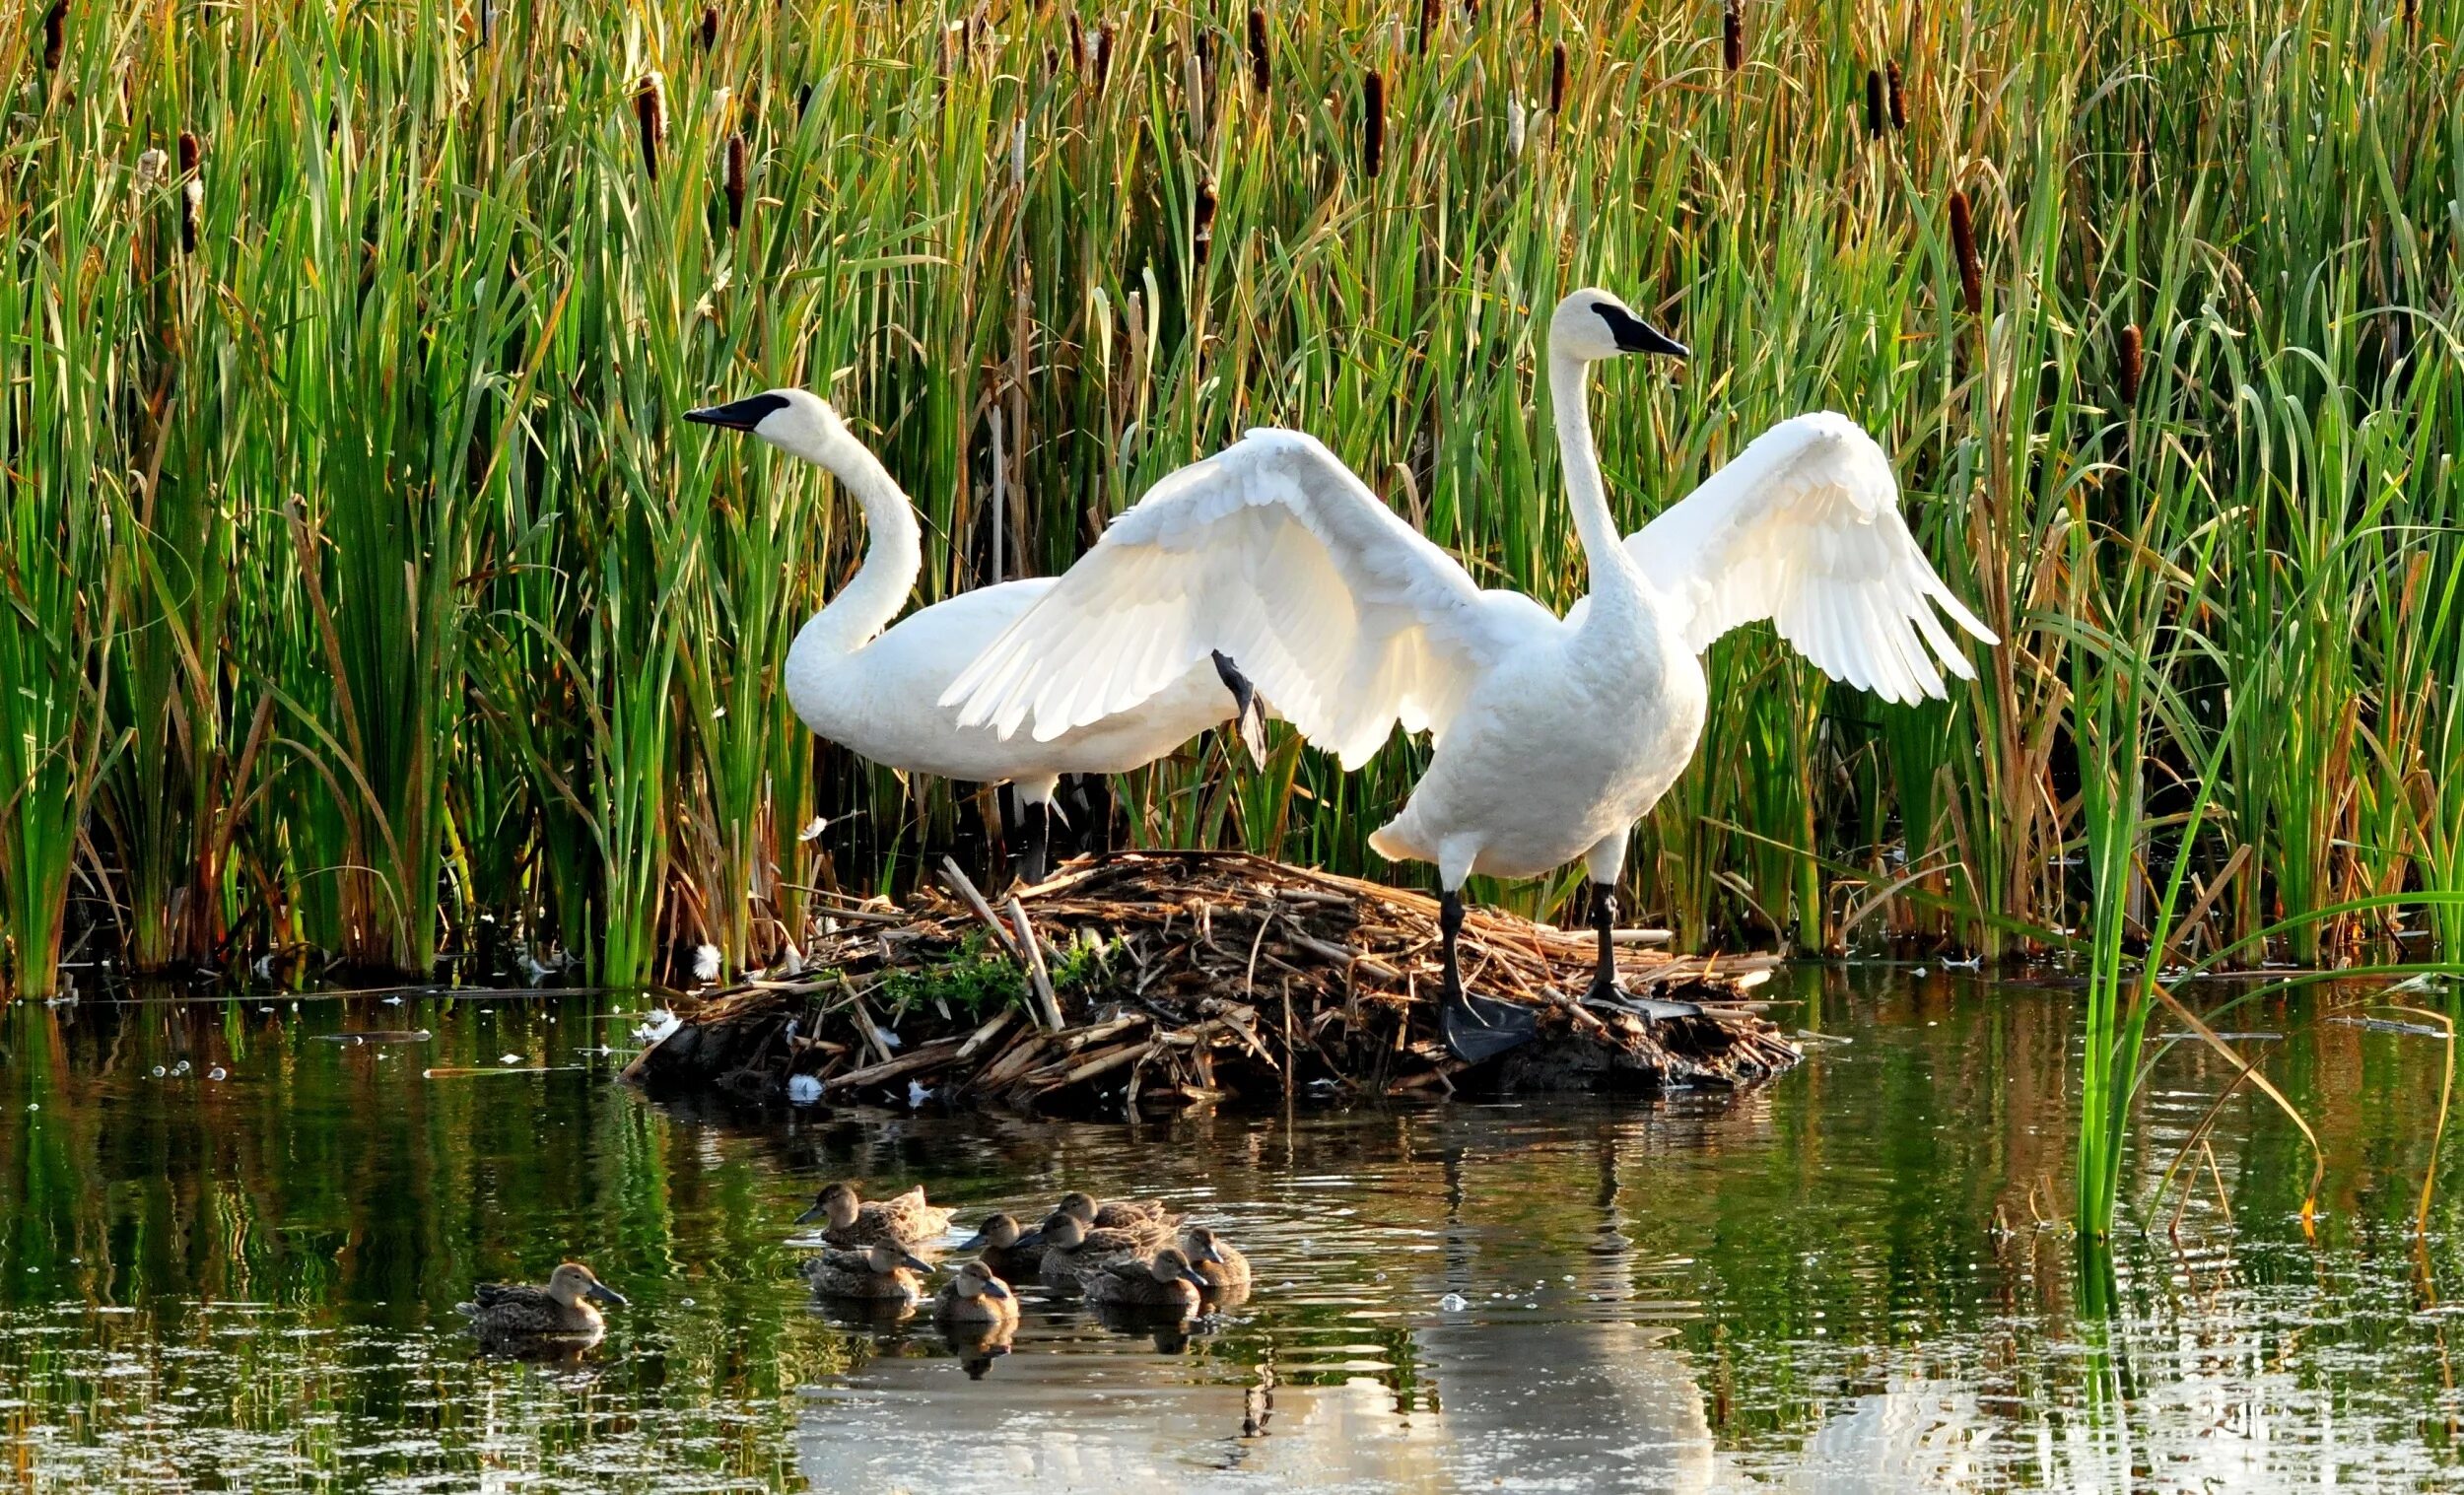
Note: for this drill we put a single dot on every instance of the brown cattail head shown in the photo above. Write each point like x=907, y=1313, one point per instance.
x=1963, y=245
x=1103, y=54
x=650, y=109
x=2133, y=358
x=191, y=155
x=709, y=28
x=1429, y=16
x=1873, y=102
x=1733, y=35
x=736, y=164
x=1203, y=221
x=1373, y=123
x=191, y=193
x=54, y=34
x=1540, y=16
x=1899, y=101
x=1260, y=58
x=1558, y=79
x=1077, y=45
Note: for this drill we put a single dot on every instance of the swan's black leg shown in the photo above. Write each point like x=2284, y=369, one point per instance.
x=1477, y=1028
x=1248, y=718
x=1604, y=920
x=1038, y=818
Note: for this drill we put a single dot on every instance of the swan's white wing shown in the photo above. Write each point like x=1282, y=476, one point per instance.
x=1345, y=618
x=1804, y=528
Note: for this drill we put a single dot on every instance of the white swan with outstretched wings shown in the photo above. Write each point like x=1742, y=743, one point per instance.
x=1551, y=736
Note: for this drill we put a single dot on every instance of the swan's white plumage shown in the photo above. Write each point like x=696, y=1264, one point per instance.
x=1804, y=528
x=1345, y=616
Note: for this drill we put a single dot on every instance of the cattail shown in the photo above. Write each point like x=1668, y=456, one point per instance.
x=736, y=155
x=1899, y=102
x=152, y=167
x=1516, y=124
x=1540, y=16
x=1429, y=16
x=649, y=107
x=1203, y=221
x=487, y=23
x=1873, y=103
x=1103, y=54
x=709, y=28
x=1260, y=61
x=1019, y=155
x=1558, y=79
x=1963, y=245
x=1077, y=45
x=2134, y=356
x=54, y=34
x=191, y=191
x=1373, y=123
x=1733, y=35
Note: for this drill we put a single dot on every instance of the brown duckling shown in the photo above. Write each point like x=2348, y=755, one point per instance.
x=561, y=1310
x=904, y=1221
x=880, y=1272
x=1071, y=1249
x=1144, y=1216
x=975, y=1298
x=1000, y=1245
x=1164, y=1280
x=1224, y=1266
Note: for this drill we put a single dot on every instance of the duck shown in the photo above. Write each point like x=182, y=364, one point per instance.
x=976, y=1298
x=1551, y=736
x=563, y=1310
x=879, y=1274
x=868, y=684
x=999, y=1243
x=1224, y=1266
x=904, y=1220
x=1163, y=1280
x=1071, y=1249
x=1144, y=1218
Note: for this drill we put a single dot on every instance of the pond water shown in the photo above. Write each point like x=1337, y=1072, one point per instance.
x=231, y=1247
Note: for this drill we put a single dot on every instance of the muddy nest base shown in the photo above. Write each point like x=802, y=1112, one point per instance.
x=1145, y=981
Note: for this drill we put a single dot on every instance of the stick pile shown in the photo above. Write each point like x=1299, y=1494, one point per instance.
x=1145, y=979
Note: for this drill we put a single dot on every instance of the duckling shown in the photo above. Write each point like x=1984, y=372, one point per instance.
x=975, y=1298
x=561, y=1310
x=1144, y=1217
x=904, y=1221
x=999, y=1245
x=880, y=1272
x=1164, y=1280
x=1224, y=1266
x=1071, y=1251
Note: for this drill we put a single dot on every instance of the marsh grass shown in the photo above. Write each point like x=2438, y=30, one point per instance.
x=361, y=586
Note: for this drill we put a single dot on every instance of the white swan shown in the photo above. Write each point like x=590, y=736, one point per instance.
x=1551, y=736
x=876, y=692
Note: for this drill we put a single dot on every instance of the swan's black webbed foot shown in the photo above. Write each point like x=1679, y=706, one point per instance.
x=1248, y=718
x=1477, y=1028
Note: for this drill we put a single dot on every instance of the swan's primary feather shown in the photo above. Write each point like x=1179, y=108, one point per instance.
x=1804, y=528
x=1346, y=618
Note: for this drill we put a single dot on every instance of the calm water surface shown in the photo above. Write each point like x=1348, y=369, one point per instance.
x=1845, y=1281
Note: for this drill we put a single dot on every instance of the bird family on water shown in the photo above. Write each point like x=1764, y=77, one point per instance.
x=1136, y=1259
x=1268, y=577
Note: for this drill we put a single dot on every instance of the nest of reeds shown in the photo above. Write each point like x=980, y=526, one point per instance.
x=1164, y=979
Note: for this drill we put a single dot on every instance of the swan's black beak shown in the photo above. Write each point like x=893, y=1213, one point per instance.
x=605, y=1293
x=1634, y=336
x=744, y=415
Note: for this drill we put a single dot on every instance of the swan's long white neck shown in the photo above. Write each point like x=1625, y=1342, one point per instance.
x=1587, y=496
x=893, y=559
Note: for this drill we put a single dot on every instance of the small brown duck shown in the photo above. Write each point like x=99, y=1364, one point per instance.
x=998, y=1244
x=1224, y=1266
x=904, y=1220
x=880, y=1273
x=1146, y=1217
x=1071, y=1249
x=562, y=1309
x=1165, y=1280
x=975, y=1298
